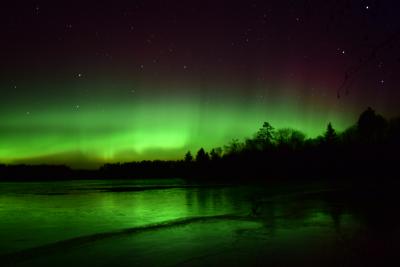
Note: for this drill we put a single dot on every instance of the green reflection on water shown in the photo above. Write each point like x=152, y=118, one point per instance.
x=197, y=223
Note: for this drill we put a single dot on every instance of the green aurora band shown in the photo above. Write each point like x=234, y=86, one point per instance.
x=85, y=131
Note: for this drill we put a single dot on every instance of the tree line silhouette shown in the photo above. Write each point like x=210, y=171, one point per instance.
x=369, y=149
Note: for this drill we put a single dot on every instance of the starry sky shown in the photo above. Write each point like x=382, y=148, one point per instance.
x=83, y=82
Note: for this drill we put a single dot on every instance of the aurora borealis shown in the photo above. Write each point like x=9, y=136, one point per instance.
x=89, y=83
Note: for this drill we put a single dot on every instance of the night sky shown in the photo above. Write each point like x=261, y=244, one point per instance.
x=86, y=83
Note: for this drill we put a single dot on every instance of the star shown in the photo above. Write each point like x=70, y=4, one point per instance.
x=341, y=51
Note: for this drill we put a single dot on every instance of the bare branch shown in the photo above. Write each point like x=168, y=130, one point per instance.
x=351, y=73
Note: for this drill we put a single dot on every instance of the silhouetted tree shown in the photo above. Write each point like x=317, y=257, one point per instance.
x=188, y=157
x=202, y=156
x=263, y=138
x=266, y=133
x=252, y=144
x=289, y=138
x=216, y=154
x=282, y=136
x=330, y=136
x=349, y=136
x=297, y=139
x=233, y=147
x=371, y=126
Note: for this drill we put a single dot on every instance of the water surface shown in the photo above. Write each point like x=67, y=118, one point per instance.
x=169, y=222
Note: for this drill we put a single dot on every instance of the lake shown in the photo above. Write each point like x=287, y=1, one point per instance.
x=172, y=223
